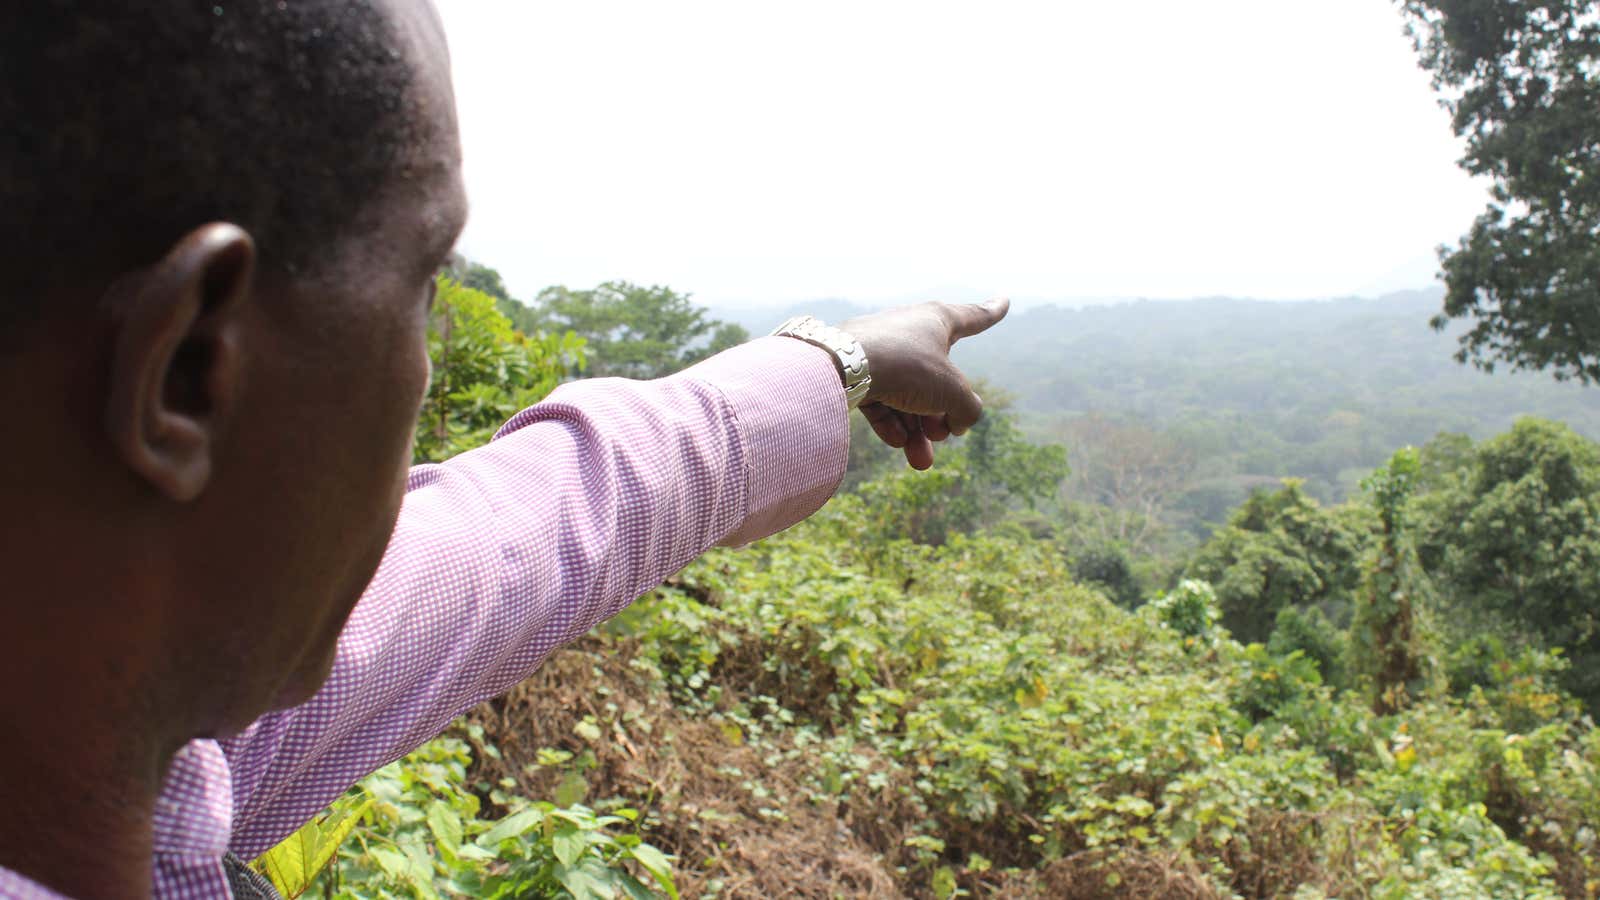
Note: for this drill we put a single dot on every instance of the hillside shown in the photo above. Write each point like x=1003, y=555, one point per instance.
x=950, y=683
x=1251, y=391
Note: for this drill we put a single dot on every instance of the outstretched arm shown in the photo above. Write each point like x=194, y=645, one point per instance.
x=502, y=554
x=580, y=504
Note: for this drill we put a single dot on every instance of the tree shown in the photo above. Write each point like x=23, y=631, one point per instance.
x=479, y=277
x=1442, y=459
x=484, y=371
x=1006, y=469
x=1515, y=538
x=1278, y=550
x=1522, y=82
x=1385, y=638
x=1109, y=566
x=1311, y=634
x=982, y=478
x=636, y=332
x=1126, y=474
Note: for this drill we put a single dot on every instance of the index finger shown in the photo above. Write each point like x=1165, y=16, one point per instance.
x=968, y=319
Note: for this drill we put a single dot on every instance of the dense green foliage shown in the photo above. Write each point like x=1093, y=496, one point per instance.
x=1522, y=81
x=630, y=331
x=1512, y=535
x=424, y=837
x=961, y=682
x=993, y=475
x=1256, y=392
x=1279, y=550
x=1385, y=635
x=634, y=331
x=975, y=721
x=484, y=371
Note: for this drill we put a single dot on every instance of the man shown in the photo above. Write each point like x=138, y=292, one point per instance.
x=222, y=222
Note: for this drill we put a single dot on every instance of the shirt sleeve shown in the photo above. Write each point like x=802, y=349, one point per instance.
x=504, y=553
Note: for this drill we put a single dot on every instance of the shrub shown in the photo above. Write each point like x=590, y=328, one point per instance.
x=1309, y=633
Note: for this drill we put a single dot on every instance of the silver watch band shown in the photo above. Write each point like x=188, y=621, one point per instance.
x=846, y=350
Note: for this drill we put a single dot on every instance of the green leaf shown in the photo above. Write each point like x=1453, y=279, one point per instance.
x=658, y=865
x=636, y=890
x=475, y=853
x=295, y=862
x=421, y=863
x=335, y=833
x=446, y=827
x=568, y=843
x=587, y=729
x=572, y=790
x=391, y=861
x=287, y=865
x=590, y=881
x=651, y=858
x=511, y=826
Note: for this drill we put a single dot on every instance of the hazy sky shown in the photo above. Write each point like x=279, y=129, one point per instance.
x=758, y=153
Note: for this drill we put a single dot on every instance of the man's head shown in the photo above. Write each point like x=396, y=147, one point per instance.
x=129, y=123
x=221, y=221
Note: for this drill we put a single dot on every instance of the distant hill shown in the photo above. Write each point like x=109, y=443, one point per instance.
x=1322, y=390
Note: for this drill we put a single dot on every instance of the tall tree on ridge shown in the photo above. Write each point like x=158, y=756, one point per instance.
x=1522, y=81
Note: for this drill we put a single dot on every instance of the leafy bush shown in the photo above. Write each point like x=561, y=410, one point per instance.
x=1281, y=549
x=1309, y=633
x=484, y=371
x=420, y=835
x=1108, y=566
x=1190, y=609
x=980, y=720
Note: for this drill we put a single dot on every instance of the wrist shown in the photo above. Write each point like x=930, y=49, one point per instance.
x=850, y=358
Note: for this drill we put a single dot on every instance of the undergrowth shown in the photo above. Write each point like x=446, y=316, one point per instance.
x=825, y=715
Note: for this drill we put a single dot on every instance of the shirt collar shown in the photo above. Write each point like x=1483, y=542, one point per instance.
x=194, y=812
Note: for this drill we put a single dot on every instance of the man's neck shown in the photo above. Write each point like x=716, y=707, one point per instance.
x=83, y=755
x=80, y=823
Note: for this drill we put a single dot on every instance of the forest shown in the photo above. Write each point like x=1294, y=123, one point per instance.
x=959, y=683
x=1238, y=394
x=1220, y=599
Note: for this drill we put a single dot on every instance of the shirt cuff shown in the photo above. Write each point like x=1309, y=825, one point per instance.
x=789, y=404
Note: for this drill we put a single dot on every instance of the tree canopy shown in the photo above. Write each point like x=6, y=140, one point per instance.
x=1515, y=537
x=634, y=331
x=484, y=370
x=1279, y=550
x=1520, y=80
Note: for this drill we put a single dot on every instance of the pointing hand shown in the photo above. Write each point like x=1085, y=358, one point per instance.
x=918, y=396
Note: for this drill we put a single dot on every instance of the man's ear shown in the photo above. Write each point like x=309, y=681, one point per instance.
x=175, y=369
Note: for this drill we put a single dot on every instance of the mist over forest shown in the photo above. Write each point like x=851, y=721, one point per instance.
x=1245, y=393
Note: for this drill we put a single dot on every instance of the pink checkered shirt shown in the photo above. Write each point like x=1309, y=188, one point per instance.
x=501, y=555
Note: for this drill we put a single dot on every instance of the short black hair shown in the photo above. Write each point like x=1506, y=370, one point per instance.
x=124, y=125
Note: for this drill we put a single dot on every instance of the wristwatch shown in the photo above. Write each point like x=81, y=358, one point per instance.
x=846, y=350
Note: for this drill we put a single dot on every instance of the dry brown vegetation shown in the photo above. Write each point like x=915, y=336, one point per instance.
x=741, y=820
x=731, y=813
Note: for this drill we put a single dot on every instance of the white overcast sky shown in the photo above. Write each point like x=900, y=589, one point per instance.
x=757, y=153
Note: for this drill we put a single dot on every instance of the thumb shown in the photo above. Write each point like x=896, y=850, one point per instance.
x=968, y=319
